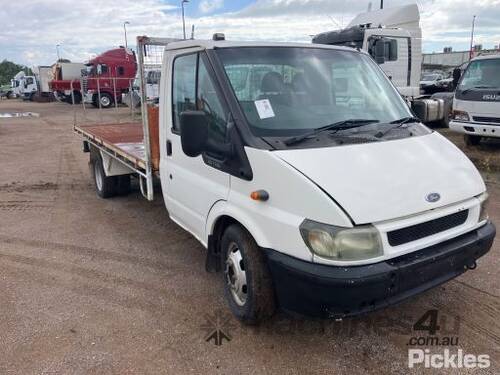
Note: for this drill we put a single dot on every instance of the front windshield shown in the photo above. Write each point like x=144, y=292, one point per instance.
x=286, y=91
x=481, y=74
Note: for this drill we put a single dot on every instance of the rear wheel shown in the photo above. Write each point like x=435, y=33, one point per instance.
x=123, y=184
x=75, y=99
x=106, y=186
x=247, y=281
x=472, y=140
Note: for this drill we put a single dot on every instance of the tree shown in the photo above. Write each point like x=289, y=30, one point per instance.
x=8, y=70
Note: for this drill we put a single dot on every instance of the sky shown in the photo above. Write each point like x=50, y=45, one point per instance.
x=31, y=29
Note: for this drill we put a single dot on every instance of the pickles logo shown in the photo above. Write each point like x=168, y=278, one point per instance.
x=445, y=358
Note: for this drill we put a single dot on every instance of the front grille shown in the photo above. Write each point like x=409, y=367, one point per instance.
x=486, y=119
x=418, y=231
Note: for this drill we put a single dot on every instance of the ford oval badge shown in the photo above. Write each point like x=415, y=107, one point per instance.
x=432, y=197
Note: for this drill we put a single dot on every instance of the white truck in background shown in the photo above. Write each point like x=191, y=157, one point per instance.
x=476, y=104
x=43, y=75
x=393, y=37
x=15, y=83
x=37, y=84
x=311, y=192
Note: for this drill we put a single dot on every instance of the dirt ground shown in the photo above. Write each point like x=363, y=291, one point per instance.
x=92, y=286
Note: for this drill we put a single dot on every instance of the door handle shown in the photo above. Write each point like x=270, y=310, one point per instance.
x=169, y=148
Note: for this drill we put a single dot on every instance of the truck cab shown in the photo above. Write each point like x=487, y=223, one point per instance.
x=302, y=171
x=107, y=76
x=476, y=105
x=17, y=84
x=392, y=37
x=100, y=82
x=28, y=87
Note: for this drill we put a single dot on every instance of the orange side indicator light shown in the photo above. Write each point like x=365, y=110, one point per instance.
x=259, y=195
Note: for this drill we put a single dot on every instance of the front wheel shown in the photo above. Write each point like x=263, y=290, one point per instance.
x=247, y=281
x=472, y=140
x=105, y=100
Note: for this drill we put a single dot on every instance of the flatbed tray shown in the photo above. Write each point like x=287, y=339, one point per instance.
x=125, y=140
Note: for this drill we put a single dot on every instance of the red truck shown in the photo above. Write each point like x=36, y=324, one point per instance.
x=103, y=81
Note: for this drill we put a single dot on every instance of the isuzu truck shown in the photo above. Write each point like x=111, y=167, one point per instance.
x=476, y=105
x=304, y=174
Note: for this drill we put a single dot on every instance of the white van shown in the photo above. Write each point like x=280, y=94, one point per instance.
x=305, y=175
x=476, y=105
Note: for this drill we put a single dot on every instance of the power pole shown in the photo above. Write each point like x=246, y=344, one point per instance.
x=381, y=4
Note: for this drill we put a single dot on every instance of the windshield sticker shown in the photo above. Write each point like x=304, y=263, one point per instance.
x=264, y=108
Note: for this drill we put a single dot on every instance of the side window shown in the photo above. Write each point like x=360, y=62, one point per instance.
x=183, y=86
x=209, y=102
x=390, y=47
x=121, y=70
x=391, y=50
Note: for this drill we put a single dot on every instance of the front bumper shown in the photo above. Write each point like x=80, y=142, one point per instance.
x=333, y=291
x=474, y=128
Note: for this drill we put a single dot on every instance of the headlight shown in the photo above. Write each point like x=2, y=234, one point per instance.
x=460, y=115
x=483, y=213
x=338, y=243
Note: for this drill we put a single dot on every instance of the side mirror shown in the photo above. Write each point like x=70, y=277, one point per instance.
x=379, y=51
x=194, y=132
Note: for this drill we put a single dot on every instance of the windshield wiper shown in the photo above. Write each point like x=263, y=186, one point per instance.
x=477, y=87
x=399, y=122
x=339, y=125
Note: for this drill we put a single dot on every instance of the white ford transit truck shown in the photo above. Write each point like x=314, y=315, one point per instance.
x=476, y=105
x=303, y=173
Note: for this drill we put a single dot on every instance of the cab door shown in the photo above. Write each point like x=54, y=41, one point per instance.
x=190, y=186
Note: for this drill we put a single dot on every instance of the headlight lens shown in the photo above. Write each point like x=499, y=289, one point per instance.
x=338, y=243
x=483, y=213
x=460, y=115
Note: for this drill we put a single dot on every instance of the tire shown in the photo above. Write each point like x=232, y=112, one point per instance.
x=106, y=100
x=77, y=98
x=123, y=184
x=105, y=186
x=248, y=287
x=445, y=122
x=472, y=140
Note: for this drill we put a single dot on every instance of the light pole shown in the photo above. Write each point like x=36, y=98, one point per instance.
x=472, y=37
x=183, y=22
x=57, y=50
x=125, y=31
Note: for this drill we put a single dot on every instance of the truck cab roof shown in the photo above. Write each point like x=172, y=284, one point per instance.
x=487, y=57
x=214, y=44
